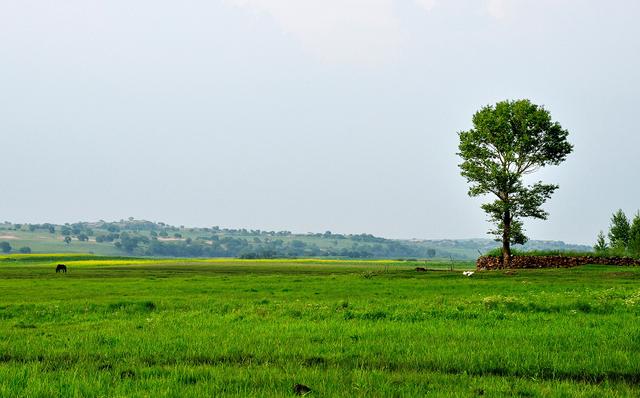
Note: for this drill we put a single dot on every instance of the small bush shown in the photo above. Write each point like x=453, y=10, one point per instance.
x=132, y=306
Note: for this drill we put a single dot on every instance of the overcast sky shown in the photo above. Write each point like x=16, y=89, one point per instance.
x=307, y=115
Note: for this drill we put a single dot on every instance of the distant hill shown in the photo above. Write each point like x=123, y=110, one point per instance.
x=146, y=238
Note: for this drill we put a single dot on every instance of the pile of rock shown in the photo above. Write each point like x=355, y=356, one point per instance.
x=489, y=262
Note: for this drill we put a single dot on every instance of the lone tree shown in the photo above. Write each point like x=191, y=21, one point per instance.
x=620, y=230
x=507, y=142
x=601, y=244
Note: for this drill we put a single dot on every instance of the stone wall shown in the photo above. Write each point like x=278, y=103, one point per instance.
x=489, y=263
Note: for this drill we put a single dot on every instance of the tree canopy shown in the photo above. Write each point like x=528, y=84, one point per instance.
x=619, y=230
x=624, y=236
x=5, y=247
x=509, y=141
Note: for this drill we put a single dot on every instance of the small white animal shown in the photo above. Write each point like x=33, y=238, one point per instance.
x=468, y=273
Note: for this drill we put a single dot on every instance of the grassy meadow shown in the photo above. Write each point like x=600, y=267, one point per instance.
x=123, y=327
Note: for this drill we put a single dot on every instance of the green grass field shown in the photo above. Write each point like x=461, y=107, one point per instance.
x=119, y=327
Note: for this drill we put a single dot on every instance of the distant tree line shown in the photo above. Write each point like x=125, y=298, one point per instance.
x=5, y=247
x=229, y=246
x=146, y=238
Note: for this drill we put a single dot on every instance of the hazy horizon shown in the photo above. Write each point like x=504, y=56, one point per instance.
x=308, y=116
x=249, y=228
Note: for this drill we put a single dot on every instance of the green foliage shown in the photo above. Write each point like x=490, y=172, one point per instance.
x=619, y=230
x=24, y=250
x=624, y=236
x=509, y=141
x=129, y=242
x=516, y=230
x=601, y=244
x=634, y=235
x=5, y=247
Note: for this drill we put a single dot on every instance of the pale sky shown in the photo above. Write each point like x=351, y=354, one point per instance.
x=307, y=115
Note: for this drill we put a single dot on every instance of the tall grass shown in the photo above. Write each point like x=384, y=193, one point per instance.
x=254, y=328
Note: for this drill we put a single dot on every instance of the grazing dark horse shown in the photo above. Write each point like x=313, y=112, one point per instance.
x=301, y=389
x=61, y=267
x=421, y=269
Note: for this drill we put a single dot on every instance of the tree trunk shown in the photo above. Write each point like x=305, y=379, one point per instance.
x=506, y=240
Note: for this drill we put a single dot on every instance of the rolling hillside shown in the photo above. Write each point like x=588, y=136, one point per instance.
x=146, y=238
